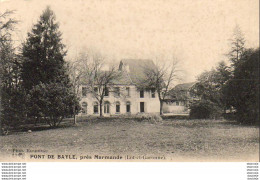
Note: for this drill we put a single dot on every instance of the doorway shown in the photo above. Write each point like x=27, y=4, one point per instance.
x=141, y=107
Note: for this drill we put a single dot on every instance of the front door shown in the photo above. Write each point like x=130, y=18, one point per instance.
x=141, y=106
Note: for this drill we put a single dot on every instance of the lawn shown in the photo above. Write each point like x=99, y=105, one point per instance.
x=176, y=140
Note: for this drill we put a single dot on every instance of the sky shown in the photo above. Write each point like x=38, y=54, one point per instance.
x=195, y=32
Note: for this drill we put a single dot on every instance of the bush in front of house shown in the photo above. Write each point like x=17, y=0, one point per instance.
x=204, y=110
x=151, y=118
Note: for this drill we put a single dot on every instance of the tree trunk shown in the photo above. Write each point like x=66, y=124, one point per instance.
x=74, y=119
x=101, y=110
x=74, y=115
x=161, y=108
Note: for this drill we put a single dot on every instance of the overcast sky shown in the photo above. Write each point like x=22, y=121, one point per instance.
x=196, y=32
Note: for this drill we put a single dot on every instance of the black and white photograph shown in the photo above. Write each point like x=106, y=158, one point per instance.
x=129, y=81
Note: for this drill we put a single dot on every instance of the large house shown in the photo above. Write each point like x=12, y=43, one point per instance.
x=124, y=96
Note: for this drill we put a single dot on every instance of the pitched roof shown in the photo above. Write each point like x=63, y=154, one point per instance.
x=184, y=86
x=176, y=93
x=135, y=68
x=132, y=71
x=124, y=79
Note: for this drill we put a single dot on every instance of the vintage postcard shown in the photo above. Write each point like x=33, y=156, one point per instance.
x=129, y=81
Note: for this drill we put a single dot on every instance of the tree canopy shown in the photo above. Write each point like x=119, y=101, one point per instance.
x=43, y=53
x=44, y=72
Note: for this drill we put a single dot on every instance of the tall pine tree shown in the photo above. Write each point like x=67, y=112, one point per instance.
x=44, y=72
x=237, y=44
x=43, y=53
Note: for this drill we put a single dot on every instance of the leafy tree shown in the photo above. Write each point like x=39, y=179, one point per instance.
x=12, y=96
x=210, y=88
x=44, y=72
x=243, y=89
x=204, y=109
x=52, y=102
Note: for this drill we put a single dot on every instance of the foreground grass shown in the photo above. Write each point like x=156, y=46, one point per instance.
x=178, y=140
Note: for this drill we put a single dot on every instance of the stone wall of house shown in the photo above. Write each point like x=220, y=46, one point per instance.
x=120, y=104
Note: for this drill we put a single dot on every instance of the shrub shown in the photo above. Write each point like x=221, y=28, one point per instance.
x=52, y=102
x=13, y=108
x=152, y=118
x=204, y=110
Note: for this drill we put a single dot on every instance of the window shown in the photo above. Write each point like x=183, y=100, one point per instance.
x=106, y=91
x=117, y=91
x=84, y=91
x=153, y=93
x=128, y=107
x=141, y=93
x=177, y=103
x=128, y=91
x=95, y=108
x=106, y=107
x=117, y=107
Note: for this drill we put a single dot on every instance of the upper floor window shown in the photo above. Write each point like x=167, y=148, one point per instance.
x=153, y=93
x=128, y=91
x=141, y=93
x=84, y=91
x=117, y=91
x=106, y=91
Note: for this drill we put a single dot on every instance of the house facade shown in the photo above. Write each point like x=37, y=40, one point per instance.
x=123, y=96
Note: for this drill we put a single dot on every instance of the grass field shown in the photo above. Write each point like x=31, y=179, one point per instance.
x=177, y=140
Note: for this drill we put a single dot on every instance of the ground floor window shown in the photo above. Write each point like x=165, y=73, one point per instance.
x=128, y=107
x=117, y=107
x=106, y=107
x=96, y=108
